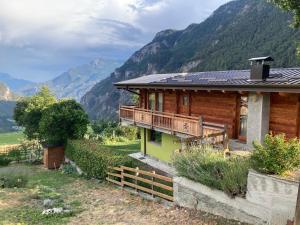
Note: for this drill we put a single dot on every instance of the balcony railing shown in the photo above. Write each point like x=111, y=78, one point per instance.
x=173, y=123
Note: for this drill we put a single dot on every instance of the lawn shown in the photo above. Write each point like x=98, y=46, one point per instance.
x=91, y=202
x=11, y=138
x=125, y=148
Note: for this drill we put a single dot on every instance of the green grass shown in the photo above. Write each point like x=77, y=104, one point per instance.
x=125, y=148
x=11, y=138
x=25, y=205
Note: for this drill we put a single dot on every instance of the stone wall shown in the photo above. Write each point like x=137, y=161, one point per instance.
x=278, y=195
x=269, y=200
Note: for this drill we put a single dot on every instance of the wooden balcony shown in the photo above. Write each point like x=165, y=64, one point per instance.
x=171, y=123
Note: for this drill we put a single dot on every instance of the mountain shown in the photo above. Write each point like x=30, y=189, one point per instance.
x=234, y=33
x=7, y=105
x=6, y=116
x=75, y=82
x=13, y=83
x=6, y=94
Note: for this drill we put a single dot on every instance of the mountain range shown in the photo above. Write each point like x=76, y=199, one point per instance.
x=73, y=83
x=235, y=32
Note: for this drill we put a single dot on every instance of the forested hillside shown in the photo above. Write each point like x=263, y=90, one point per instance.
x=235, y=32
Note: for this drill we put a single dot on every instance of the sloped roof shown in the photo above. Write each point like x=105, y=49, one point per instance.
x=287, y=78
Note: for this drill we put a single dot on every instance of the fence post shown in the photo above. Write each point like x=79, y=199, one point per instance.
x=152, y=184
x=297, y=213
x=122, y=177
x=225, y=138
x=136, y=174
x=200, y=126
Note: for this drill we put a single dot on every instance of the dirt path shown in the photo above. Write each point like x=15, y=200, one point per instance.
x=109, y=205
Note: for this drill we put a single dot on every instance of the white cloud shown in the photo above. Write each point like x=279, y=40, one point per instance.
x=46, y=28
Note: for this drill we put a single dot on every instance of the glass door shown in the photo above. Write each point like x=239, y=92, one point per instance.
x=243, y=118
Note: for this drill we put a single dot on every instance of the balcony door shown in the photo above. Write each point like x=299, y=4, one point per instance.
x=184, y=104
x=156, y=101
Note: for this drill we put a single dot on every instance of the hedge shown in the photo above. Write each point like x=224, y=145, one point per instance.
x=94, y=159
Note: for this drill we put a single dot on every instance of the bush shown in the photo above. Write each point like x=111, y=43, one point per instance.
x=94, y=159
x=68, y=169
x=13, y=178
x=210, y=168
x=61, y=121
x=277, y=155
x=112, y=132
x=4, y=160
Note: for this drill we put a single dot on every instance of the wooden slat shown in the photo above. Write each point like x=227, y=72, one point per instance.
x=164, y=178
x=116, y=168
x=115, y=174
x=166, y=187
x=149, y=191
x=114, y=181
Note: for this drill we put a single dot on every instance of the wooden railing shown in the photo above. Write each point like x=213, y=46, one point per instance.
x=141, y=180
x=172, y=122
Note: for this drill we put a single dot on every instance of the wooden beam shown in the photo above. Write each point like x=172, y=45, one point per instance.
x=283, y=94
x=190, y=103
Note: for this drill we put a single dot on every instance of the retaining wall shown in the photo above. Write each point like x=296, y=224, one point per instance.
x=269, y=200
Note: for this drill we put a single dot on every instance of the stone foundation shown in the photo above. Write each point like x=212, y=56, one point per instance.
x=269, y=200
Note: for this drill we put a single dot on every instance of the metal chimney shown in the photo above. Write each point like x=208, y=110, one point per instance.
x=260, y=70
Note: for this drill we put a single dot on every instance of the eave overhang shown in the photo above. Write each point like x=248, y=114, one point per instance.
x=195, y=87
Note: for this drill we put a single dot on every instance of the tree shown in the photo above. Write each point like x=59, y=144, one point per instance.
x=62, y=121
x=28, y=111
x=292, y=6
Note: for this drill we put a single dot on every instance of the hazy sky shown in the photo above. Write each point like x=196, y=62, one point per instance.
x=39, y=39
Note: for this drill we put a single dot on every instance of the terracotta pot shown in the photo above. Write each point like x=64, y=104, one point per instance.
x=54, y=157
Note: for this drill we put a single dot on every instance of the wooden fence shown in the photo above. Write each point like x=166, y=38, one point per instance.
x=140, y=180
x=5, y=149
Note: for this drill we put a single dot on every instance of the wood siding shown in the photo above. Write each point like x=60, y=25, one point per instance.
x=223, y=108
x=170, y=102
x=284, y=114
x=216, y=107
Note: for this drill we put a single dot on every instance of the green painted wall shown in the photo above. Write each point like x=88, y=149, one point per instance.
x=164, y=151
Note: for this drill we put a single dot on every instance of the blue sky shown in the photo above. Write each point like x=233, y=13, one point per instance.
x=39, y=39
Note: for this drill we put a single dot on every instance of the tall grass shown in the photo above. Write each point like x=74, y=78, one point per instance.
x=13, y=177
x=210, y=168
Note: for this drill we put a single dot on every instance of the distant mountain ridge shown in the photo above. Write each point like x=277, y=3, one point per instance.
x=75, y=82
x=14, y=84
x=235, y=32
x=6, y=94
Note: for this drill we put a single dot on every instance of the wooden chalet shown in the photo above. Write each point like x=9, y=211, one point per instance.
x=243, y=105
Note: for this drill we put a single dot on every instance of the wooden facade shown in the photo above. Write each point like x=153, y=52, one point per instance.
x=285, y=114
x=224, y=108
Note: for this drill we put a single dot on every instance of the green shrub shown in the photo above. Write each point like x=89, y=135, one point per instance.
x=15, y=155
x=94, y=159
x=4, y=160
x=61, y=121
x=13, y=178
x=210, y=168
x=277, y=155
x=68, y=169
x=112, y=132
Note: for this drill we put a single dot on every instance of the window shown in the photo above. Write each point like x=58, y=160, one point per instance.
x=155, y=136
x=160, y=102
x=152, y=101
x=185, y=100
